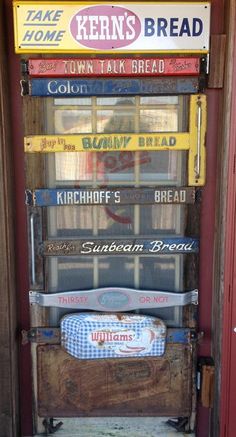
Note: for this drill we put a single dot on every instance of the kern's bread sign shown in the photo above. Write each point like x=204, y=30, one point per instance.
x=105, y=27
x=76, y=27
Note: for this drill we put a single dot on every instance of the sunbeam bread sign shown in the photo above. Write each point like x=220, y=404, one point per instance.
x=75, y=27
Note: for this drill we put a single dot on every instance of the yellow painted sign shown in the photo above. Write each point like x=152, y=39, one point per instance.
x=85, y=27
x=106, y=142
x=193, y=141
x=197, y=131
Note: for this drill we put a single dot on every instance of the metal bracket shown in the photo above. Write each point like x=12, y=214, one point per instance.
x=113, y=299
x=41, y=335
x=48, y=335
x=204, y=65
x=24, y=84
x=24, y=67
x=49, y=427
x=180, y=424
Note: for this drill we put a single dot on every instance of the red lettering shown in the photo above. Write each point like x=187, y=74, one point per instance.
x=72, y=300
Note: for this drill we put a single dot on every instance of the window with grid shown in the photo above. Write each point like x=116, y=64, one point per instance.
x=108, y=169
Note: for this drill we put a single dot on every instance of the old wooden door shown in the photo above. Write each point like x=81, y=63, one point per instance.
x=144, y=386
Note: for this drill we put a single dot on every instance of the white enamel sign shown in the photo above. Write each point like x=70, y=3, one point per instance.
x=80, y=27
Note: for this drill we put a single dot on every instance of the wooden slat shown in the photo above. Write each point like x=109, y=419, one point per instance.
x=217, y=61
x=92, y=67
x=109, y=87
x=128, y=387
x=110, y=196
x=128, y=246
x=8, y=344
x=107, y=142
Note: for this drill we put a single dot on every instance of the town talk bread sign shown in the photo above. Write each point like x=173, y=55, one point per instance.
x=77, y=27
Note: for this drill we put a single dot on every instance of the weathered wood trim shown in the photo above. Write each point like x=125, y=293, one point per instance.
x=217, y=61
x=225, y=205
x=9, y=425
x=122, y=387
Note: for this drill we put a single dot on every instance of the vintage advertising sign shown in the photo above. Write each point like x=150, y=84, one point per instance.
x=193, y=141
x=106, y=142
x=93, y=336
x=85, y=27
x=113, y=299
x=133, y=246
x=113, y=196
x=91, y=67
x=108, y=87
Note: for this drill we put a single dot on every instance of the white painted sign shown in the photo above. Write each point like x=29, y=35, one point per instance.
x=74, y=27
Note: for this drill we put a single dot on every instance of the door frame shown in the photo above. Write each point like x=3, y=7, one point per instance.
x=9, y=406
x=207, y=225
x=228, y=378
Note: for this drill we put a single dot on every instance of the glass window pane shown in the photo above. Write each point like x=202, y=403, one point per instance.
x=70, y=221
x=158, y=120
x=74, y=166
x=117, y=271
x=159, y=100
x=160, y=218
x=164, y=167
x=87, y=220
x=72, y=273
x=106, y=101
x=115, y=121
x=159, y=273
x=115, y=166
x=71, y=121
x=115, y=220
x=79, y=101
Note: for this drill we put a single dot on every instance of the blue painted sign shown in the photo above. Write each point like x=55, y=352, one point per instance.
x=105, y=196
x=109, y=87
x=130, y=246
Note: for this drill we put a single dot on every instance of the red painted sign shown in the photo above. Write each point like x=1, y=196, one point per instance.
x=91, y=67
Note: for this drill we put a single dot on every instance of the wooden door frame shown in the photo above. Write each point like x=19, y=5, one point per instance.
x=9, y=405
x=227, y=227
x=15, y=317
x=14, y=206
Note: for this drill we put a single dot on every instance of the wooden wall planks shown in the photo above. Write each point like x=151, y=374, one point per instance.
x=8, y=343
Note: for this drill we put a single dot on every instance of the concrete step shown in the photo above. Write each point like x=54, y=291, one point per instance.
x=116, y=427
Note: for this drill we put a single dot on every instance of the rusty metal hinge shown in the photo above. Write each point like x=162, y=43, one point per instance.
x=41, y=335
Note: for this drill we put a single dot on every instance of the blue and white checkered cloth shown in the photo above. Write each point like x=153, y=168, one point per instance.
x=98, y=335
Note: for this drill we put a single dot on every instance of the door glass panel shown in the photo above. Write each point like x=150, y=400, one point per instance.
x=110, y=269
x=70, y=273
x=133, y=169
x=70, y=121
x=115, y=115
